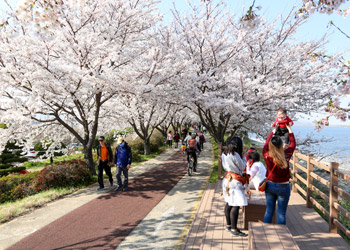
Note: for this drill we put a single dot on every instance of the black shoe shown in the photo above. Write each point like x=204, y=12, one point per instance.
x=118, y=188
x=238, y=233
x=125, y=189
x=100, y=188
x=228, y=228
x=111, y=183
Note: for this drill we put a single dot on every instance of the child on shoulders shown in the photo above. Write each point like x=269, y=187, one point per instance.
x=281, y=122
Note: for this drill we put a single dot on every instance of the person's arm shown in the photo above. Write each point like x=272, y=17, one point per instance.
x=116, y=156
x=130, y=157
x=292, y=145
x=289, y=121
x=266, y=146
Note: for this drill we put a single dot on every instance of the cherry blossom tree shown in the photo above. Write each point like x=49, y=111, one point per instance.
x=147, y=106
x=61, y=62
x=240, y=75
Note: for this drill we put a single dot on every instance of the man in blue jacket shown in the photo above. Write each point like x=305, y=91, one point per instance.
x=122, y=160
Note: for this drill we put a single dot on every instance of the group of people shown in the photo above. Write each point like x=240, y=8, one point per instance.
x=249, y=172
x=122, y=160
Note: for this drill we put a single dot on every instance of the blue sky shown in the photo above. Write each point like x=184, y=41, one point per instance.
x=316, y=26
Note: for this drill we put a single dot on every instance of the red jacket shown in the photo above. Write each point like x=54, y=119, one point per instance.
x=282, y=123
x=279, y=174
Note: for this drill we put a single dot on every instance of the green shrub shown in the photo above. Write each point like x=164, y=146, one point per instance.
x=5, y=165
x=7, y=171
x=15, y=187
x=135, y=156
x=63, y=174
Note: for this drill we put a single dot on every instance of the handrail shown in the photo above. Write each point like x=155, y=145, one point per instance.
x=332, y=183
x=341, y=209
x=300, y=178
x=320, y=179
x=342, y=175
x=320, y=193
x=320, y=165
x=301, y=167
x=342, y=192
x=319, y=206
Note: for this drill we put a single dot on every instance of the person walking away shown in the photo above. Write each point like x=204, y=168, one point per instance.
x=122, y=160
x=201, y=141
x=105, y=159
x=278, y=173
x=188, y=137
x=281, y=122
x=192, y=149
x=233, y=187
x=170, y=139
x=176, y=139
x=255, y=170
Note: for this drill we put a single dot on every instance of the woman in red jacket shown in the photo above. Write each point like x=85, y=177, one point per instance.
x=278, y=174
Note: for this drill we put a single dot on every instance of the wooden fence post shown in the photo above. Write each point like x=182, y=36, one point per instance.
x=310, y=169
x=295, y=171
x=219, y=160
x=333, y=197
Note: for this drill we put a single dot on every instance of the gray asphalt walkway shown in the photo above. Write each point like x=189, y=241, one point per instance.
x=166, y=226
x=156, y=223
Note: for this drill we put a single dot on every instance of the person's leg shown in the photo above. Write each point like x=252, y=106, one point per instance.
x=119, y=179
x=227, y=211
x=195, y=161
x=234, y=217
x=100, y=174
x=271, y=198
x=282, y=203
x=234, y=220
x=109, y=174
x=126, y=177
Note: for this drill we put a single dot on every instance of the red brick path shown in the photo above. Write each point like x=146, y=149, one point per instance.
x=105, y=221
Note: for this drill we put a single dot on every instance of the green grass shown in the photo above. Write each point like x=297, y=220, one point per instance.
x=10, y=210
x=37, y=165
x=151, y=155
x=214, y=174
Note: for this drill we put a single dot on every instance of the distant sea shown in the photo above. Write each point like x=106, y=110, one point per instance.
x=337, y=149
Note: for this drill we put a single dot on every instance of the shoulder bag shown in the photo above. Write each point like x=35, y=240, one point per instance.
x=262, y=185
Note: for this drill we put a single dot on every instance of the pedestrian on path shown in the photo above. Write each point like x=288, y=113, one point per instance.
x=105, y=159
x=278, y=174
x=233, y=186
x=170, y=139
x=176, y=139
x=201, y=140
x=122, y=160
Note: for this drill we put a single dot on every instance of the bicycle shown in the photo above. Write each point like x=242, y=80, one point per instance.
x=190, y=166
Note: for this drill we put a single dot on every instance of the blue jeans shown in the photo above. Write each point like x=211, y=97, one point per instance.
x=119, y=178
x=280, y=193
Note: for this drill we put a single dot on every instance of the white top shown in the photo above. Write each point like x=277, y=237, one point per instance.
x=170, y=137
x=257, y=173
x=236, y=197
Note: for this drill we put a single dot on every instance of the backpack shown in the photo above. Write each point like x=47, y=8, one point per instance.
x=192, y=144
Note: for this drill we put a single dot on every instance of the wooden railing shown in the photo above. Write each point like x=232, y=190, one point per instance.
x=307, y=182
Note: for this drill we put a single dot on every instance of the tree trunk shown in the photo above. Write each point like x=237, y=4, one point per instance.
x=89, y=159
x=147, y=146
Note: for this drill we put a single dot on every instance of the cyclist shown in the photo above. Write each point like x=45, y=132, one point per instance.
x=192, y=149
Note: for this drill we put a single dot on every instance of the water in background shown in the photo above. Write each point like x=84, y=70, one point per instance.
x=337, y=150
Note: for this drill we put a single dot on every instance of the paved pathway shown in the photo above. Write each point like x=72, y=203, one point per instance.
x=89, y=228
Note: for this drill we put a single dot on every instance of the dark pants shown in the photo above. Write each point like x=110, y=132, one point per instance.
x=231, y=214
x=284, y=134
x=119, y=178
x=193, y=153
x=170, y=142
x=101, y=166
x=201, y=143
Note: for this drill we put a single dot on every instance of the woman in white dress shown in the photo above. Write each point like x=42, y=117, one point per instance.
x=233, y=185
x=255, y=169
